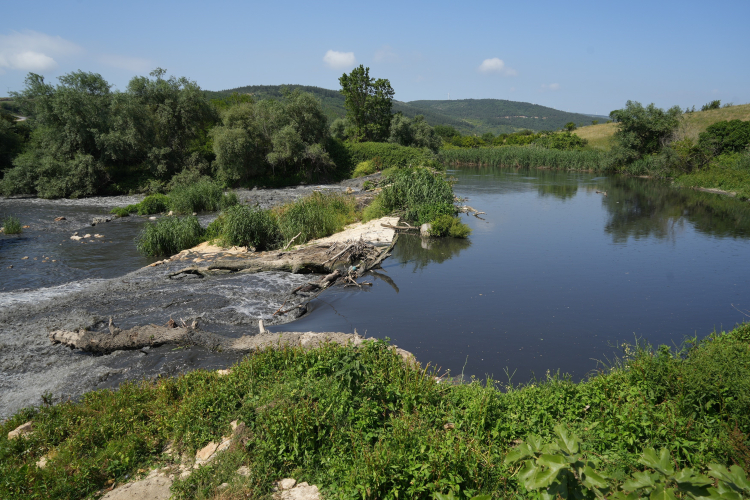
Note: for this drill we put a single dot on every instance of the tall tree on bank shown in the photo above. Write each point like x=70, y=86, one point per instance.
x=368, y=104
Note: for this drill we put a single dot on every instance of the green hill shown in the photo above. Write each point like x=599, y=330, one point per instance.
x=499, y=115
x=469, y=116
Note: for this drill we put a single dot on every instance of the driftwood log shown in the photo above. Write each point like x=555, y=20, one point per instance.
x=155, y=335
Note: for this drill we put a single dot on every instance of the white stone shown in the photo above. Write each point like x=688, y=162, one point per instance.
x=153, y=488
x=287, y=483
x=21, y=430
x=424, y=229
x=244, y=471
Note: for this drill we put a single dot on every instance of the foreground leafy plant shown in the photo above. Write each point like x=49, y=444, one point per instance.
x=559, y=469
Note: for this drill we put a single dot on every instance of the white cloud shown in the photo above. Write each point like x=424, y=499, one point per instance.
x=550, y=86
x=339, y=60
x=33, y=51
x=386, y=54
x=134, y=64
x=495, y=65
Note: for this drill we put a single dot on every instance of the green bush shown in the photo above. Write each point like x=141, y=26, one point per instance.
x=202, y=196
x=120, y=212
x=389, y=155
x=316, y=216
x=418, y=195
x=725, y=137
x=12, y=225
x=245, y=226
x=364, y=168
x=153, y=204
x=449, y=225
x=374, y=210
x=169, y=236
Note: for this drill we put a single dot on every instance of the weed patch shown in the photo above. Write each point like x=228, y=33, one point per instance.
x=169, y=236
x=448, y=225
x=316, y=216
x=12, y=225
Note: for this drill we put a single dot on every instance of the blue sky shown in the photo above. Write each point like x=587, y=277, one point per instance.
x=576, y=56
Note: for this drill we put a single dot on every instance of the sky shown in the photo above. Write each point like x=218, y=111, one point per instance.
x=580, y=56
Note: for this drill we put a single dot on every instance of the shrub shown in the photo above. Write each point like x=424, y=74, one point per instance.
x=418, y=194
x=316, y=216
x=120, y=212
x=390, y=155
x=169, y=236
x=725, y=137
x=364, y=168
x=448, y=225
x=203, y=196
x=244, y=226
x=152, y=204
x=12, y=225
x=374, y=210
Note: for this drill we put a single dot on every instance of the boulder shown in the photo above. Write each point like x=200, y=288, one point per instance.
x=424, y=230
x=100, y=220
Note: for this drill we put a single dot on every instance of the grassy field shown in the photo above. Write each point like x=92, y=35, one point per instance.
x=600, y=136
x=361, y=423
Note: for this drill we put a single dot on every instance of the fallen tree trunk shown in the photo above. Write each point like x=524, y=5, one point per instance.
x=104, y=342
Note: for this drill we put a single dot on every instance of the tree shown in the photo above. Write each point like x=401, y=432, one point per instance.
x=368, y=104
x=570, y=126
x=643, y=131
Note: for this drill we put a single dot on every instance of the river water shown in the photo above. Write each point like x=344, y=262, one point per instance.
x=555, y=276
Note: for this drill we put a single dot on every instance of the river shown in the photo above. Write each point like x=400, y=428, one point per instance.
x=556, y=275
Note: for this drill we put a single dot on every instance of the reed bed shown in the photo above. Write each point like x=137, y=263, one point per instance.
x=529, y=157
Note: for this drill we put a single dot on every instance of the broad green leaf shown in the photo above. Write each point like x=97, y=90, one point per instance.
x=542, y=479
x=526, y=473
x=558, y=488
x=638, y=481
x=659, y=462
x=534, y=442
x=689, y=476
x=554, y=462
x=662, y=493
x=593, y=479
x=519, y=453
x=735, y=475
x=441, y=496
x=567, y=442
x=482, y=497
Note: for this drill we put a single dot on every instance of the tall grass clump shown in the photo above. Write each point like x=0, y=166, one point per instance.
x=169, y=236
x=529, y=157
x=12, y=225
x=418, y=195
x=202, y=196
x=316, y=216
x=449, y=225
x=245, y=226
x=151, y=204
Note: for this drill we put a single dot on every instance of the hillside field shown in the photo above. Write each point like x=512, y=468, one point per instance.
x=600, y=136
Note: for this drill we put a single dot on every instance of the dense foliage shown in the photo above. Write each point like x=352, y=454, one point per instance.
x=361, y=423
x=368, y=104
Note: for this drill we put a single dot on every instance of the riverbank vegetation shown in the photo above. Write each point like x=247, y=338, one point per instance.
x=361, y=423
x=11, y=225
x=708, y=149
x=82, y=138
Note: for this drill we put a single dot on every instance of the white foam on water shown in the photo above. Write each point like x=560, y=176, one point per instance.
x=28, y=296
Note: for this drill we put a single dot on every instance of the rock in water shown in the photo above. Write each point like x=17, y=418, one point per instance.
x=100, y=220
x=424, y=230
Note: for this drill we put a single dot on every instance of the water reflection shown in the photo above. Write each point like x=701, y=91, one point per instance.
x=415, y=251
x=641, y=208
x=560, y=191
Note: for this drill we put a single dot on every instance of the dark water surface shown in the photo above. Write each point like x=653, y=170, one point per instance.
x=556, y=275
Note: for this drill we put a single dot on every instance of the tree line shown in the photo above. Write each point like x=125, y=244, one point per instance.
x=84, y=138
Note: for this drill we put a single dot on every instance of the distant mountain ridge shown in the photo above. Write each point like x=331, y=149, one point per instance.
x=469, y=116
